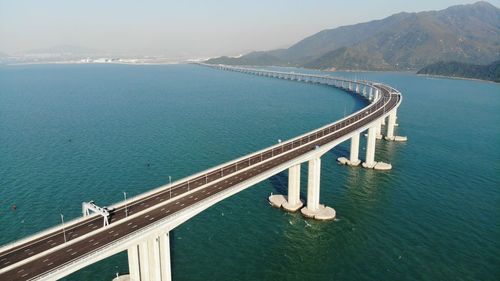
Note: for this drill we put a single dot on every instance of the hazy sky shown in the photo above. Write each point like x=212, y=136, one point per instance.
x=192, y=28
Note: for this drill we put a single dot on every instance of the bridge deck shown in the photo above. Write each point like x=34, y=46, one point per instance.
x=202, y=187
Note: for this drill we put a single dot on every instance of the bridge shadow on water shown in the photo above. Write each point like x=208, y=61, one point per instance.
x=279, y=183
x=339, y=151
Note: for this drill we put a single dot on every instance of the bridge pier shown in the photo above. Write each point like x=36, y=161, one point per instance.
x=370, y=152
x=370, y=148
x=293, y=202
x=133, y=263
x=354, y=153
x=390, y=128
x=150, y=259
x=378, y=131
x=313, y=208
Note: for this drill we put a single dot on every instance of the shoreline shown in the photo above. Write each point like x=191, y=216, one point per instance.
x=456, y=78
x=188, y=62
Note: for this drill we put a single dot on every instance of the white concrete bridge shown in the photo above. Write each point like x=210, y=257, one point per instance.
x=141, y=225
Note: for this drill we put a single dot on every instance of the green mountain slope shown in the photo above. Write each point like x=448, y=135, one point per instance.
x=489, y=72
x=404, y=41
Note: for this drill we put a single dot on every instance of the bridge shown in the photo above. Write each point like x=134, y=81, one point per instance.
x=141, y=225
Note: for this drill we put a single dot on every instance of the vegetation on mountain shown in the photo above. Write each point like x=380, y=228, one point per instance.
x=489, y=72
x=404, y=41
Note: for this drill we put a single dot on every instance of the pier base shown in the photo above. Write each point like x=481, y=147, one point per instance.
x=281, y=201
x=397, y=138
x=277, y=200
x=380, y=166
x=322, y=213
x=345, y=161
x=292, y=207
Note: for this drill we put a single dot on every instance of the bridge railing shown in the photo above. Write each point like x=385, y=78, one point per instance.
x=336, y=82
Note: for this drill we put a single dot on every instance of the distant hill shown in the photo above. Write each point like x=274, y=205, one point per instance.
x=404, y=41
x=489, y=72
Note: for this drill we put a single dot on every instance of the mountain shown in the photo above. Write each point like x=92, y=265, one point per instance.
x=489, y=72
x=404, y=41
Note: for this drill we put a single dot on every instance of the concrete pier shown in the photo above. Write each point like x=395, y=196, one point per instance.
x=378, y=131
x=133, y=263
x=150, y=259
x=370, y=148
x=370, y=152
x=293, y=202
x=390, y=126
x=313, y=208
x=354, y=153
x=390, y=129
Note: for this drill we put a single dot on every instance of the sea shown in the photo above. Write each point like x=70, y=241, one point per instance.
x=75, y=133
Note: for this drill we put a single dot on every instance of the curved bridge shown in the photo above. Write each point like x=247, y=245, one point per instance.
x=141, y=224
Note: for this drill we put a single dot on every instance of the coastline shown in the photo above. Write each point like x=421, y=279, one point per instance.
x=187, y=62
x=456, y=78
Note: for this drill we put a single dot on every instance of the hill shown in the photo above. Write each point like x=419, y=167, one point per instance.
x=489, y=72
x=404, y=41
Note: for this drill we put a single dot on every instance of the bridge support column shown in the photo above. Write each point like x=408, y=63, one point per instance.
x=154, y=259
x=370, y=148
x=378, y=131
x=144, y=261
x=370, y=152
x=150, y=260
x=390, y=128
x=166, y=271
x=133, y=263
x=354, y=153
x=293, y=202
x=313, y=208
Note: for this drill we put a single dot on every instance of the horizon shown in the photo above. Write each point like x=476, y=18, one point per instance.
x=176, y=30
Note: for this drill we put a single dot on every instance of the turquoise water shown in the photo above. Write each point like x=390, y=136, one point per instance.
x=73, y=133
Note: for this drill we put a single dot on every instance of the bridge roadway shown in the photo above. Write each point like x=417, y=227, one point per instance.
x=28, y=261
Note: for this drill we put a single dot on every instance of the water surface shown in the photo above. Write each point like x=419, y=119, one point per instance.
x=73, y=133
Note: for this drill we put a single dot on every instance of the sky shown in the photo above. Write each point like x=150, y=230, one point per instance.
x=189, y=28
